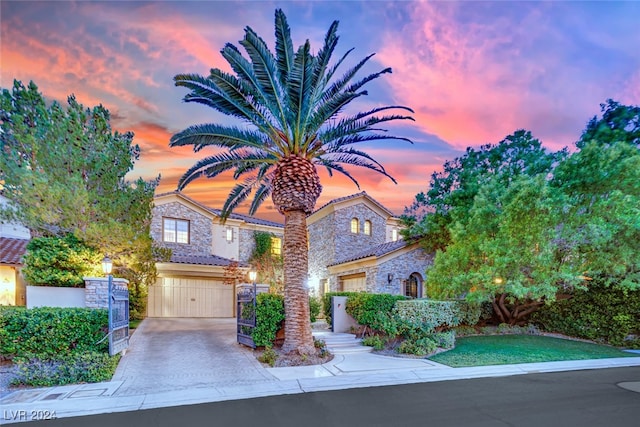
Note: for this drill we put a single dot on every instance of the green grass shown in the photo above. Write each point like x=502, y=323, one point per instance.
x=508, y=349
x=133, y=324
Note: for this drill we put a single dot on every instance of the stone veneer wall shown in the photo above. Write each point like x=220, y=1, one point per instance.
x=415, y=261
x=200, y=229
x=97, y=291
x=348, y=243
x=322, y=249
x=247, y=242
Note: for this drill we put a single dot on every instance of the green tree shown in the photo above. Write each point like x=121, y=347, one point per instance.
x=63, y=169
x=292, y=103
x=452, y=191
x=60, y=261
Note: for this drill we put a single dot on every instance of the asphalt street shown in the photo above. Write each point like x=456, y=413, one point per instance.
x=576, y=398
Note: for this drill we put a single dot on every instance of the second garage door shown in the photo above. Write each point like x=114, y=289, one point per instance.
x=190, y=297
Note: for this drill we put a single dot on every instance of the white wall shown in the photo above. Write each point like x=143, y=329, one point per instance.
x=221, y=246
x=46, y=296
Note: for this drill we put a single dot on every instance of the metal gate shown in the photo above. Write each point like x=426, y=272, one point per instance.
x=246, y=316
x=118, y=317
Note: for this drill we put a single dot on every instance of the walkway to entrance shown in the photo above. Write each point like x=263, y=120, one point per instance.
x=178, y=354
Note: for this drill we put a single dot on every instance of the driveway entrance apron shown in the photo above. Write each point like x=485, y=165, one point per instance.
x=179, y=354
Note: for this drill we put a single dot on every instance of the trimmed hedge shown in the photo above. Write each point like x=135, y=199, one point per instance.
x=603, y=314
x=88, y=367
x=431, y=315
x=49, y=333
x=374, y=311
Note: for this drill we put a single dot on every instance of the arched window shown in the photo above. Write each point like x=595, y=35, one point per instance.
x=367, y=228
x=355, y=226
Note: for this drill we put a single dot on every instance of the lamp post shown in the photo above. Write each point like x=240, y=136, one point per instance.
x=107, y=266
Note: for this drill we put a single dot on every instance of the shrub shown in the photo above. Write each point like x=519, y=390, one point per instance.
x=373, y=310
x=87, y=367
x=604, y=314
x=326, y=302
x=419, y=347
x=314, y=308
x=268, y=356
x=432, y=315
x=269, y=317
x=60, y=261
x=49, y=333
x=444, y=339
x=374, y=341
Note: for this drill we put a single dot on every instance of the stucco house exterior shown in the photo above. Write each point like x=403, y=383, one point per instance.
x=13, y=245
x=354, y=244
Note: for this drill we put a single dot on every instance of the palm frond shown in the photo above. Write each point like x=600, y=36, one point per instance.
x=331, y=166
x=206, y=91
x=265, y=69
x=261, y=195
x=284, y=47
x=356, y=160
x=211, y=134
x=237, y=195
x=300, y=90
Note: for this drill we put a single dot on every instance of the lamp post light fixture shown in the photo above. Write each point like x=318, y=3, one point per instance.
x=107, y=265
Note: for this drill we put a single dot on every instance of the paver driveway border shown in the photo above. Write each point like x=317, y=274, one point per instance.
x=170, y=354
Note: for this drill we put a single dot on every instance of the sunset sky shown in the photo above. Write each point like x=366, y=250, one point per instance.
x=474, y=72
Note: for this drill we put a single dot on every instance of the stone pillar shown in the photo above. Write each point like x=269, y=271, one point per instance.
x=97, y=291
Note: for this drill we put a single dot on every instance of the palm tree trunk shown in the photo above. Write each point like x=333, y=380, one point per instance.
x=297, y=328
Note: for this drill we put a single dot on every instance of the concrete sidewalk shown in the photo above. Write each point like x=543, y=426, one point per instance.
x=343, y=372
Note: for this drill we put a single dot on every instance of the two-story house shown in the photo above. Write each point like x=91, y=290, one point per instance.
x=355, y=245
x=13, y=245
x=191, y=283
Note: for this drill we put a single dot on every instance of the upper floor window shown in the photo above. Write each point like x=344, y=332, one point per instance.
x=394, y=235
x=175, y=230
x=276, y=246
x=229, y=234
x=367, y=228
x=355, y=226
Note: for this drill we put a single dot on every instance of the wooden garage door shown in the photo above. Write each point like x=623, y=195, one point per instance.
x=354, y=283
x=189, y=297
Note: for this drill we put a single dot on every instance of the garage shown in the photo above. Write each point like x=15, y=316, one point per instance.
x=353, y=283
x=190, y=297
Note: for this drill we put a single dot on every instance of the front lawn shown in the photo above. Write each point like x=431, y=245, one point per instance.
x=508, y=349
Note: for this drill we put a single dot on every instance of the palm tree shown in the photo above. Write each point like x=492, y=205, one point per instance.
x=292, y=104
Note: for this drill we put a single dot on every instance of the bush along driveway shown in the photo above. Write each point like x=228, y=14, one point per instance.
x=55, y=346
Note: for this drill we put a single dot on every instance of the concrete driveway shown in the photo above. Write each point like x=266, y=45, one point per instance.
x=179, y=354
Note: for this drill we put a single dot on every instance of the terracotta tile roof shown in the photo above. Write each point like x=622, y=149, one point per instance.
x=12, y=250
x=355, y=196
x=212, y=260
x=376, y=251
x=217, y=212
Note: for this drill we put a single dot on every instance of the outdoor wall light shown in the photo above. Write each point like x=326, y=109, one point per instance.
x=390, y=277
x=107, y=265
